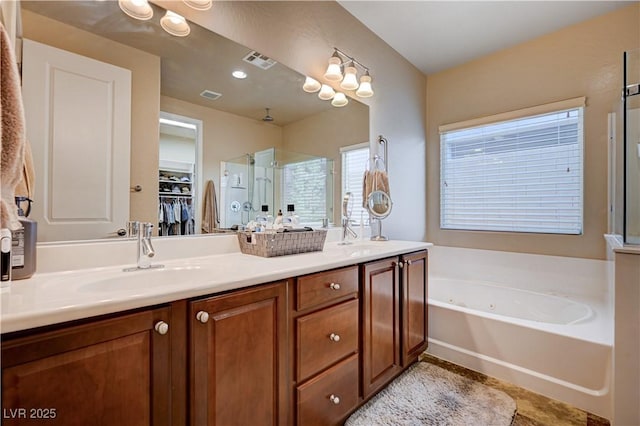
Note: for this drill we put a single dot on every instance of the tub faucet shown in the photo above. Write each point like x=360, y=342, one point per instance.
x=142, y=231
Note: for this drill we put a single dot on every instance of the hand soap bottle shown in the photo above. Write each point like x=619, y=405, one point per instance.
x=23, y=252
x=291, y=218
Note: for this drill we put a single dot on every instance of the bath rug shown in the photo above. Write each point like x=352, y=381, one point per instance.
x=426, y=394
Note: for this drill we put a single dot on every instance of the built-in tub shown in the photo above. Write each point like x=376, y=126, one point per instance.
x=536, y=331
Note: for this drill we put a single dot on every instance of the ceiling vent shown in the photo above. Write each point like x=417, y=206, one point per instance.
x=210, y=94
x=259, y=60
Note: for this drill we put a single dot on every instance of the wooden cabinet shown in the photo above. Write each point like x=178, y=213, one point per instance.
x=325, y=328
x=394, y=316
x=381, y=351
x=414, y=306
x=238, y=358
x=109, y=372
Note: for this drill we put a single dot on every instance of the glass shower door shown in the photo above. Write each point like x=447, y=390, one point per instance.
x=631, y=122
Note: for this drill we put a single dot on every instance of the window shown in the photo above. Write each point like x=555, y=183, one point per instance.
x=305, y=186
x=518, y=175
x=354, y=163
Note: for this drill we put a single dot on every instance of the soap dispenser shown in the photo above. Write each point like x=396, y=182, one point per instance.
x=292, y=218
x=23, y=253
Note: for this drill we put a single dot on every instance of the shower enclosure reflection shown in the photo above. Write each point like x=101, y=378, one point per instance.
x=631, y=121
x=276, y=178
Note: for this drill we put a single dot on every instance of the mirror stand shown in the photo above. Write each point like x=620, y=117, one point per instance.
x=378, y=236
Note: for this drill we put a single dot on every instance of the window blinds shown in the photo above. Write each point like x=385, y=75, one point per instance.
x=305, y=186
x=354, y=163
x=522, y=175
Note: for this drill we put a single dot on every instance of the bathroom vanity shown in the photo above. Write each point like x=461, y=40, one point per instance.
x=302, y=339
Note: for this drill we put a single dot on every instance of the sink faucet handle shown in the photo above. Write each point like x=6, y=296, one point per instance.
x=133, y=228
x=147, y=229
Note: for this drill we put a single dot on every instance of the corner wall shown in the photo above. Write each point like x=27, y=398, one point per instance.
x=581, y=60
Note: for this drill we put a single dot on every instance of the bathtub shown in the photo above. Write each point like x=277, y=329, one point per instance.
x=544, y=323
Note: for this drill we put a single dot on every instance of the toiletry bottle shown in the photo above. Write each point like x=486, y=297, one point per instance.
x=5, y=254
x=261, y=219
x=265, y=212
x=23, y=253
x=279, y=218
x=291, y=218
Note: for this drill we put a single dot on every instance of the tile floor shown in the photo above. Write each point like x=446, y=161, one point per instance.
x=532, y=409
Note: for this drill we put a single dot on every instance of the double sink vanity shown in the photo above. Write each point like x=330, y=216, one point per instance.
x=220, y=339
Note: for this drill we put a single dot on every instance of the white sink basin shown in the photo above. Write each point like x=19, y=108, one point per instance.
x=150, y=278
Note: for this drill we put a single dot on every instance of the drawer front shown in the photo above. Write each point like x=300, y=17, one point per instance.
x=326, y=337
x=323, y=287
x=326, y=399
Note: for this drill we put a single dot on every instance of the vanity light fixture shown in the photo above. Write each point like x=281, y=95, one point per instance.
x=326, y=92
x=239, y=74
x=340, y=61
x=199, y=4
x=365, y=90
x=311, y=85
x=339, y=100
x=137, y=9
x=175, y=24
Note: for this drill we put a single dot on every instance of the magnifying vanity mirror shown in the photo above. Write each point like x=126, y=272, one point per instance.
x=189, y=77
x=379, y=206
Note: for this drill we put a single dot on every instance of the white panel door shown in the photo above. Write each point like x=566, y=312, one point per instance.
x=78, y=116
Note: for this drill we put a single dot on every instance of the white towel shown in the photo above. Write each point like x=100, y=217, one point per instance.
x=210, y=219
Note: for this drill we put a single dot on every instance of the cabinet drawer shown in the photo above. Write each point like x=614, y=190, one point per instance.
x=325, y=337
x=327, y=398
x=317, y=288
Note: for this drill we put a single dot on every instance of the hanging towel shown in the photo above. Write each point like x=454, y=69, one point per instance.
x=210, y=216
x=27, y=182
x=374, y=180
x=12, y=132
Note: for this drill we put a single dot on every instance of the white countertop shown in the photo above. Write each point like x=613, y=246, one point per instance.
x=56, y=297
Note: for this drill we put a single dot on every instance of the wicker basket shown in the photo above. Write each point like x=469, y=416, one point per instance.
x=271, y=244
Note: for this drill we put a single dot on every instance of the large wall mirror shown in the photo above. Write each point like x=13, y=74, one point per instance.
x=168, y=75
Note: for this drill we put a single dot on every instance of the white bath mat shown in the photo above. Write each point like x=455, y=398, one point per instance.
x=428, y=395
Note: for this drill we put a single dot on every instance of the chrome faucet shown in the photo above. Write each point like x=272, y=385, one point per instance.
x=346, y=221
x=142, y=231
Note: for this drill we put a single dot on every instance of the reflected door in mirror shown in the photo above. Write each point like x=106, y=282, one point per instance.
x=77, y=112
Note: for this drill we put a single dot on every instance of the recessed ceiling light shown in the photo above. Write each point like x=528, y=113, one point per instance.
x=239, y=74
x=175, y=24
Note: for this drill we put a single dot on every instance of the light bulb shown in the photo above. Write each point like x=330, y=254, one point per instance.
x=339, y=100
x=311, y=85
x=365, y=90
x=137, y=9
x=350, y=81
x=333, y=70
x=175, y=24
x=326, y=92
x=199, y=4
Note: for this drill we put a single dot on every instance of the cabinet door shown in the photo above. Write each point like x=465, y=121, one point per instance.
x=414, y=306
x=108, y=372
x=238, y=358
x=380, y=324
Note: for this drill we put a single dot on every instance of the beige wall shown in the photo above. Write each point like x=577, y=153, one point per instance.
x=145, y=99
x=302, y=35
x=581, y=60
x=325, y=133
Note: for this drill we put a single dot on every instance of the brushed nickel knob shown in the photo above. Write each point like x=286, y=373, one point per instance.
x=161, y=327
x=334, y=337
x=335, y=399
x=408, y=262
x=401, y=264
x=202, y=316
x=334, y=286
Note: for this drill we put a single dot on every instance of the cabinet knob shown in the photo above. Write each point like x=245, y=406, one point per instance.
x=202, y=316
x=334, y=286
x=162, y=327
x=408, y=262
x=335, y=399
x=400, y=265
x=334, y=337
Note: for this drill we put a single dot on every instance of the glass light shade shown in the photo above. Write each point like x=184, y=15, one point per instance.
x=333, y=70
x=199, y=4
x=137, y=9
x=326, y=92
x=239, y=74
x=311, y=85
x=350, y=81
x=365, y=90
x=175, y=24
x=339, y=100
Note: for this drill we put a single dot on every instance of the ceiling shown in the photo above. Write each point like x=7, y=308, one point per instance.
x=436, y=35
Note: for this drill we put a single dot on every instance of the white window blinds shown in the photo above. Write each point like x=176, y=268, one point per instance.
x=354, y=163
x=305, y=186
x=521, y=175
